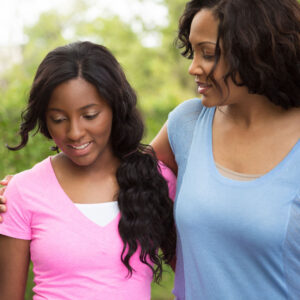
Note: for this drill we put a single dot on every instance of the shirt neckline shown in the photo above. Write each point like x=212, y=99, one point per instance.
x=72, y=205
x=230, y=181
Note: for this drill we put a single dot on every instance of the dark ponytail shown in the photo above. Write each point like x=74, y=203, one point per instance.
x=146, y=211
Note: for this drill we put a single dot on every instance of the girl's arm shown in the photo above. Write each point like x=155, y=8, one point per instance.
x=3, y=182
x=14, y=263
x=163, y=149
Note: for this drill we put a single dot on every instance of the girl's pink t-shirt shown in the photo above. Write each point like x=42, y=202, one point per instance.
x=73, y=258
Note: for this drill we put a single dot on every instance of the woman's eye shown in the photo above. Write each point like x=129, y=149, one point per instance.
x=208, y=56
x=91, y=116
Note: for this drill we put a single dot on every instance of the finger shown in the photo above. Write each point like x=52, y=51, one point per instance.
x=6, y=179
x=2, y=208
x=2, y=200
x=2, y=190
x=1, y=219
x=3, y=182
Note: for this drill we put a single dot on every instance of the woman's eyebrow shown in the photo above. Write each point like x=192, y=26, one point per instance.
x=206, y=42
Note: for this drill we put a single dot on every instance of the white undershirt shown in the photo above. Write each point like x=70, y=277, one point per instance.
x=99, y=213
x=235, y=175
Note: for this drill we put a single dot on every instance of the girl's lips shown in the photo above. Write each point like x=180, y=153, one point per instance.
x=79, y=147
x=79, y=150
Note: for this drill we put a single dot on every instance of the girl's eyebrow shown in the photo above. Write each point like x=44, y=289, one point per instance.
x=88, y=106
x=81, y=108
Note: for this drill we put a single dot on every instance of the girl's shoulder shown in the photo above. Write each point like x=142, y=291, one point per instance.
x=36, y=176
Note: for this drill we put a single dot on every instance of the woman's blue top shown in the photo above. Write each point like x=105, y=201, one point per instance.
x=236, y=239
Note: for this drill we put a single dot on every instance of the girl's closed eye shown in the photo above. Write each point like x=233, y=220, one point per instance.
x=91, y=116
x=57, y=120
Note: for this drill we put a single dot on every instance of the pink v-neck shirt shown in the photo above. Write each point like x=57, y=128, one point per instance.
x=73, y=258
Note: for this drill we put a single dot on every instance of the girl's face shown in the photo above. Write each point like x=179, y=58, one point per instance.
x=80, y=121
x=203, y=39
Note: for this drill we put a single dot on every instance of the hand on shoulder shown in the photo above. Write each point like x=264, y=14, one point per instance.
x=4, y=182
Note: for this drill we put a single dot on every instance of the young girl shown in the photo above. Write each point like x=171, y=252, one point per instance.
x=92, y=217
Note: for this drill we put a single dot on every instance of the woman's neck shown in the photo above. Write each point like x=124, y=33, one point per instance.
x=253, y=111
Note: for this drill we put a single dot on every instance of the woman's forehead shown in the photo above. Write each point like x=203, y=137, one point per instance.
x=204, y=28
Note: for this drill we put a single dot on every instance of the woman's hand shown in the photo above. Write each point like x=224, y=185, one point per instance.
x=4, y=182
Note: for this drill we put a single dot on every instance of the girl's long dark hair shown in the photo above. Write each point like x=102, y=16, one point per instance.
x=260, y=41
x=146, y=211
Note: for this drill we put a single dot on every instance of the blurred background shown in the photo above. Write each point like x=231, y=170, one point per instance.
x=140, y=33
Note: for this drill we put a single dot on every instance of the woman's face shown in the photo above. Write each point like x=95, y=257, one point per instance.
x=203, y=39
x=80, y=121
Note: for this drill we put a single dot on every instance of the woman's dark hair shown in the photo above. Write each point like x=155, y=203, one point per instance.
x=146, y=210
x=260, y=41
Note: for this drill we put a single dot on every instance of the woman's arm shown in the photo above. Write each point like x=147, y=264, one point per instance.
x=14, y=262
x=163, y=149
x=165, y=154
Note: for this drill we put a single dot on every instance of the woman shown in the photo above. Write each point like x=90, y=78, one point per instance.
x=237, y=152
x=93, y=216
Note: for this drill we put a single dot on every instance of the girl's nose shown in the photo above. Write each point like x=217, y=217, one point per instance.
x=76, y=131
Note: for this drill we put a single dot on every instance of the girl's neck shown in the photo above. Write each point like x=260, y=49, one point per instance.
x=106, y=166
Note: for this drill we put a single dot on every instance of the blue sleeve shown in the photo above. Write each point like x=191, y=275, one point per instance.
x=291, y=251
x=181, y=124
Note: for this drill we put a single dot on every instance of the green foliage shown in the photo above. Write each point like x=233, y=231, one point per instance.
x=158, y=74
x=163, y=291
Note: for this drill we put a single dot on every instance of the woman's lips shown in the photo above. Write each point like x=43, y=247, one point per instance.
x=203, y=87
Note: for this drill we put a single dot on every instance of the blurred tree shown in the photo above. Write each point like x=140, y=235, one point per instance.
x=158, y=74
x=15, y=85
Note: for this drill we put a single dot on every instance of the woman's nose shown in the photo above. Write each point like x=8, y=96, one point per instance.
x=194, y=67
